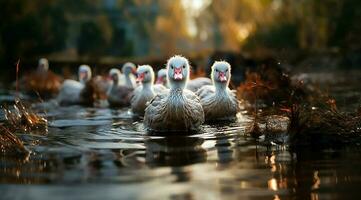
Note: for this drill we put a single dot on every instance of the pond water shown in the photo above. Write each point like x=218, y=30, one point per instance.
x=91, y=153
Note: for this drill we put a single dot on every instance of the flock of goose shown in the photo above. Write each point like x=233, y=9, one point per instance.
x=172, y=103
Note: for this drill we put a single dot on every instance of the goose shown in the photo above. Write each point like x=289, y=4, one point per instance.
x=118, y=95
x=146, y=91
x=218, y=101
x=42, y=81
x=162, y=77
x=127, y=77
x=193, y=85
x=43, y=65
x=71, y=90
x=178, y=109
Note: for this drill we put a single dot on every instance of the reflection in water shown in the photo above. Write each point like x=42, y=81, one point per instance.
x=316, y=181
x=174, y=151
x=224, y=150
x=37, y=169
x=272, y=184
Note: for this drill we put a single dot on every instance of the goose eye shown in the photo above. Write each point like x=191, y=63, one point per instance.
x=146, y=72
x=172, y=67
x=217, y=70
x=184, y=66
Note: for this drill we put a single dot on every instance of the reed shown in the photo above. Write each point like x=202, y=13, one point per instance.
x=10, y=143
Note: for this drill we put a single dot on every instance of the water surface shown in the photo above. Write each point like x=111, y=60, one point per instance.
x=92, y=153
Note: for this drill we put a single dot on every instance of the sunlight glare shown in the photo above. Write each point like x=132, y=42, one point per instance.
x=193, y=9
x=272, y=184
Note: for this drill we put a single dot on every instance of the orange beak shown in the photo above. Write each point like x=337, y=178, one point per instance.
x=160, y=80
x=82, y=75
x=178, y=74
x=140, y=77
x=110, y=78
x=134, y=71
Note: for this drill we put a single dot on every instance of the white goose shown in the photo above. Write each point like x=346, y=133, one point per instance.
x=70, y=91
x=162, y=77
x=146, y=91
x=177, y=110
x=118, y=95
x=43, y=66
x=218, y=101
x=127, y=78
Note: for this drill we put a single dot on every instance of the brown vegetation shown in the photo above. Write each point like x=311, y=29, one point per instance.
x=313, y=116
x=10, y=143
x=23, y=119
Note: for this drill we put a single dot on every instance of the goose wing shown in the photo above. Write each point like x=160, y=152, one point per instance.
x=195, y=84
x=205, y=91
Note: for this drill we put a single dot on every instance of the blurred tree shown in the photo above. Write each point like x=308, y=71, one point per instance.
x=140, y=16
x=170, y=32
x=91, y=41
x=347, y=30
x=308, y=24
x=31, y=28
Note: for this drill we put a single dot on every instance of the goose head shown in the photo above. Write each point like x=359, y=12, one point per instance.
x=221, y=74
x=114, y=75
x=177, y=72
x=145, y=74
x=43, y=65
x=162, y=77
x=84, y=73
x=129, y=68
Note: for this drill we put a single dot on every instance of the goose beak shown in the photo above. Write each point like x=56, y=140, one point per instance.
x=140, y=77
x=178, y=74
x=159, y=80
x=109, y=78
x=83, y=75
x=134, y=71
x=222, y=77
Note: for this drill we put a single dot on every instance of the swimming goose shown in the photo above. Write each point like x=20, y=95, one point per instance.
x=162, y=77
x=43, y=81
x=70, y=91
x=127, y=77
x=218, y=101
x=146, y=91
x=118, y=95
x=178, y=109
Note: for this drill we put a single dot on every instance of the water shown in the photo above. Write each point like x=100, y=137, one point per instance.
x=91, y=153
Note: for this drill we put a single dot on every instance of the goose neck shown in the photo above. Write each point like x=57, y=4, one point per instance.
x=221, y=88
x=128, y=81
x=147, y=86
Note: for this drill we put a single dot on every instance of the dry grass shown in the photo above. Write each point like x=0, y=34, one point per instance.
x=313, y=115
x=23, y=119
x=19, y=119
x=10, y=143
